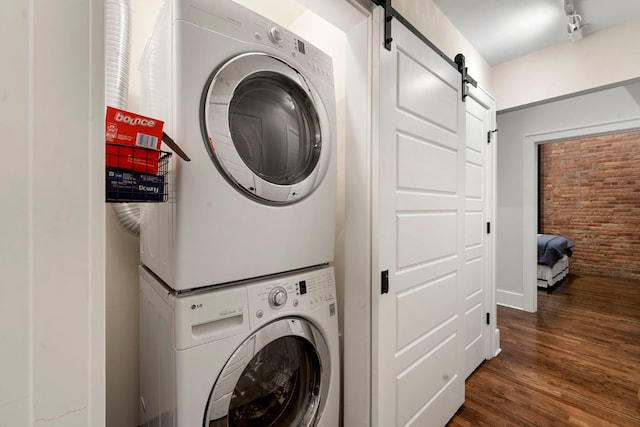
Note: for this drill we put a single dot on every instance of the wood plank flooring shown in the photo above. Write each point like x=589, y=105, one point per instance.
x=576, y=362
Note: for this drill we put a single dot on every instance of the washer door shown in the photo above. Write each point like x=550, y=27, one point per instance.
x=266, y=129
x=277, y=377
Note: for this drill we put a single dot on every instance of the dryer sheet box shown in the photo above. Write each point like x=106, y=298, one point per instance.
x=132, y=141
x=124, y=186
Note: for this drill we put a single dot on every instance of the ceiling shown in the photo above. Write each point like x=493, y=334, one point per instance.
x=502, y=30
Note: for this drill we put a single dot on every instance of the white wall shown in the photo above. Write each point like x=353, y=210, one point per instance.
x=122, y=256
x=121, y=259
x=52, y=229
x=602, y=111
x=430, y=20
x=599, y=59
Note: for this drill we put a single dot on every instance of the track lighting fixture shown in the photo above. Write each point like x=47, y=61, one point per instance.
x=574, y=21
x=574, y=27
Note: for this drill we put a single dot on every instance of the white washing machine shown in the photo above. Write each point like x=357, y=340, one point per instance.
x=263, y=353
x=253, y=106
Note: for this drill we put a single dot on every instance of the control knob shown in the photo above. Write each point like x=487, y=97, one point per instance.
x=278, y=297
x=276, y=36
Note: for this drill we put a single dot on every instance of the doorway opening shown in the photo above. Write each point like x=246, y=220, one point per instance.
x=531, y=191
x=588, y=193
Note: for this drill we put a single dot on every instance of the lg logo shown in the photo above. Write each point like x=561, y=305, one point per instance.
x=194, y=306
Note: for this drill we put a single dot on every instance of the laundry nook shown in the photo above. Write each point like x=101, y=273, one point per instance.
x=303, y=213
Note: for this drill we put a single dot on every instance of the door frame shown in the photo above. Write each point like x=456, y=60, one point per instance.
x=530, y=195
x=492, y=344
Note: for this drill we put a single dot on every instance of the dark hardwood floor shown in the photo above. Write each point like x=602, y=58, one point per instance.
x=576, y=362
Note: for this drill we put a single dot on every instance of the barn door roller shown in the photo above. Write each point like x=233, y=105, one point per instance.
x=466, y=78
x=388, y=17
x=459, y=64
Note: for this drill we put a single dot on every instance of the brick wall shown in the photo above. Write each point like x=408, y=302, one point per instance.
x=590, y=193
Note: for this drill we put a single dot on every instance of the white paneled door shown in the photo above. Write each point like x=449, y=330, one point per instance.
x=420, y=213
x=478, y=185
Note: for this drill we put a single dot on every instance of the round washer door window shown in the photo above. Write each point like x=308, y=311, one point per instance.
x=277, y=377
x=266, y=129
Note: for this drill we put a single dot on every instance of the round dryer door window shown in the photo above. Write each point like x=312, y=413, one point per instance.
x=277, y=377
x=266, y=129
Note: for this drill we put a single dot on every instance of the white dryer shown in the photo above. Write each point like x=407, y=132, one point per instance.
x=262, y=353
x=253, y=106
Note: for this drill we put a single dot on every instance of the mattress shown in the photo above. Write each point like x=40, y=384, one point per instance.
x=549, y=276
x=551, y=248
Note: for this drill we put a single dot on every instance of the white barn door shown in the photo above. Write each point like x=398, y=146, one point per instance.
x=418, y=236
x=479, y=315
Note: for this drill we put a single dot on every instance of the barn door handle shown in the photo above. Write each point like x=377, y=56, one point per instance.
x=384, y=282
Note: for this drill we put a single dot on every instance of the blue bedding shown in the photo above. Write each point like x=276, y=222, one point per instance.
x=552, y=248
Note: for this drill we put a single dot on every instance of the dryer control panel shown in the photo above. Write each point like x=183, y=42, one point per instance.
x=292, y=295
x=306, y=55
x=240, y=23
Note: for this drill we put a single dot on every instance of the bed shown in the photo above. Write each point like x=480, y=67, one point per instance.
x=553, y=259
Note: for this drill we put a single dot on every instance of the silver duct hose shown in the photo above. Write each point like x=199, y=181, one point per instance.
x=117, y=42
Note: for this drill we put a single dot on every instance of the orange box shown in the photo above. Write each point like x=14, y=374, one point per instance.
x=132, y=141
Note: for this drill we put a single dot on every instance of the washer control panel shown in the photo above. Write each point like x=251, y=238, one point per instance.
x=293, y=294
x=277, y=297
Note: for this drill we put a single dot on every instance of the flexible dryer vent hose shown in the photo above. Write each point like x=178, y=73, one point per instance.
x=117, y=42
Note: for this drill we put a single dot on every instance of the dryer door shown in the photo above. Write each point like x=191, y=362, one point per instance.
x=266, y=129
x=278, y=377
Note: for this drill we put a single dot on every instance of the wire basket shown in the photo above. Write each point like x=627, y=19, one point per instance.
x=136, y=174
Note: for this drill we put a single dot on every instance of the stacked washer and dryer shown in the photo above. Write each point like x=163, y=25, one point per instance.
x=238, y=316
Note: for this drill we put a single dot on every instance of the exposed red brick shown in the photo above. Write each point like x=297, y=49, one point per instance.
x=590, y=193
